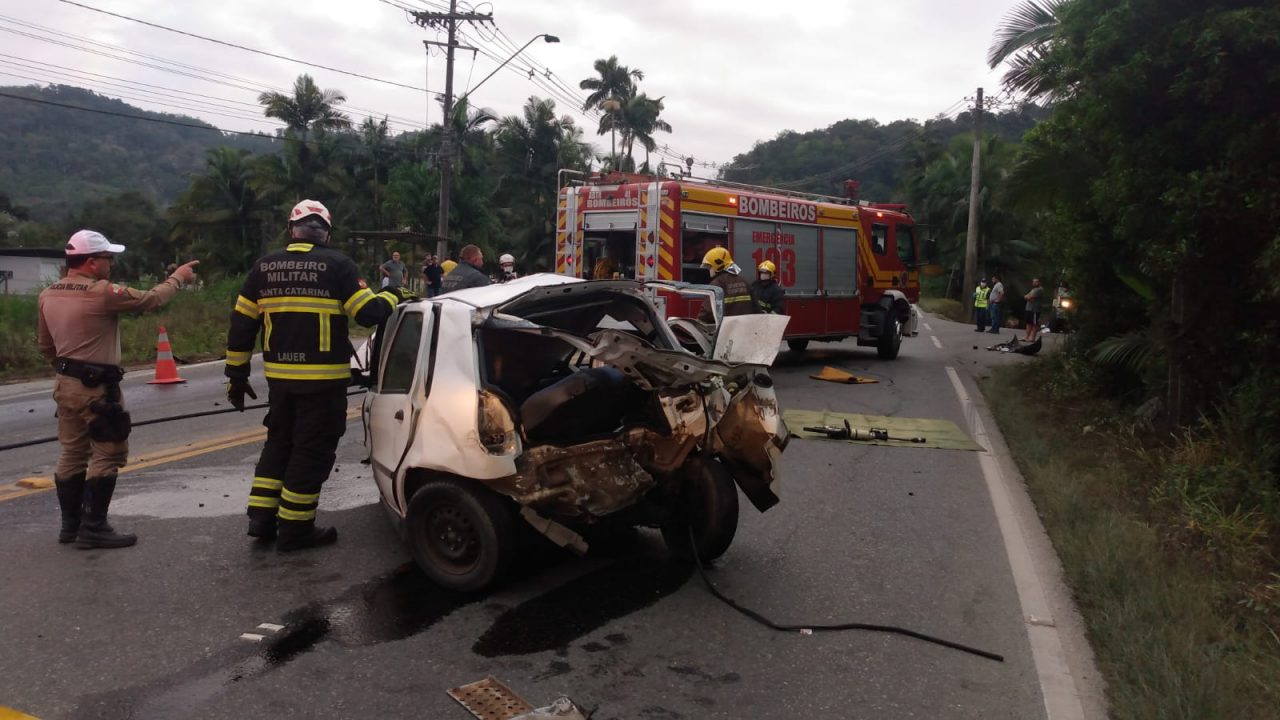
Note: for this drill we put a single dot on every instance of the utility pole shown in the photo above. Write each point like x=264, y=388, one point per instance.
x=449, y=23
x=975, y=184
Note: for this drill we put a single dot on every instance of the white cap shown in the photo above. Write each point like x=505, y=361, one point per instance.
x=91, y=242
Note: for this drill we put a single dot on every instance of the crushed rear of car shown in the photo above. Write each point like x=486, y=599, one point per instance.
x=566, y=405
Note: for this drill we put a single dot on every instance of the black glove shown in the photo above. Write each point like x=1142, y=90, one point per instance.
x=237, y=388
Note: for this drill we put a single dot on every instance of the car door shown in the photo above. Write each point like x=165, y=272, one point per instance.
x=391, y=410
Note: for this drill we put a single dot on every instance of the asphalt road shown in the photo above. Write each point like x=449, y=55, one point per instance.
x=887, y=535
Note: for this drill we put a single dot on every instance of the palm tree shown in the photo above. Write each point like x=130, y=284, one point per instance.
x=1024, y=38
x=223, y=210
x=308, y=108
x=639, y=119
x=610, y=88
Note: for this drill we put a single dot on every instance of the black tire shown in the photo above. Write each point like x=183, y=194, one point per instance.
x=708, y=502
x=890, y=342
x=798, y=345
x=460, y=533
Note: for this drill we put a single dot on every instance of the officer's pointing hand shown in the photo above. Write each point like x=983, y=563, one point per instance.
x=187, y=273
x=236, y=390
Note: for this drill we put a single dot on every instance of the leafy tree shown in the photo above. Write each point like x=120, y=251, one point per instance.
x=133, y=220
x=1170, y=131
x=611, y=87
x=224, y=212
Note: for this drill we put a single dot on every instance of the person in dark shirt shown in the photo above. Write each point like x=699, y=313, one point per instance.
x=726, y=275
x=468, y=274
x=432, y=276
x=766, y=291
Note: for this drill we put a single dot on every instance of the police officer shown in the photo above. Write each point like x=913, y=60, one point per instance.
x=507, y=267
x=766, y=291
x=299, y=299
x=78, y=330
x=727, y=276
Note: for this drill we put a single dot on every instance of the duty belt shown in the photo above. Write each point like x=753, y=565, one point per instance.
x=91, y=374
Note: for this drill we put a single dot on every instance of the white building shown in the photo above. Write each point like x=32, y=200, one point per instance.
x=26, y=271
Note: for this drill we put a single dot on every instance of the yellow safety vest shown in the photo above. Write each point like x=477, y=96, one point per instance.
x=980, y=297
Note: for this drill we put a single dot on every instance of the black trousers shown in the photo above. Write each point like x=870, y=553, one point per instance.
x=303, y=430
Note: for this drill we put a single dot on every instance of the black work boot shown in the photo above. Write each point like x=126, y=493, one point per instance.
x=95, y=532
x=70, y=498
x=296, y=535
x=262, y=526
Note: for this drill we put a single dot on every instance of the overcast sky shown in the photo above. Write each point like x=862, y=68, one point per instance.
x=732, y=72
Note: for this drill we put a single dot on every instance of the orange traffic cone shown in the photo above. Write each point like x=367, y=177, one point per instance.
x=166, y=368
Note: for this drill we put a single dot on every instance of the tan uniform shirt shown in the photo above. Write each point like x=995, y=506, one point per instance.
x=77, y=316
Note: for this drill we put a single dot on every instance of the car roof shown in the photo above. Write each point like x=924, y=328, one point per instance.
x=499, y=293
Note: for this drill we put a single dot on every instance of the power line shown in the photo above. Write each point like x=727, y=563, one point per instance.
x=178, y=68
x=243, y=47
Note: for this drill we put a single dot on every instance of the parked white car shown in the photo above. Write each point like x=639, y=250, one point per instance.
x=565, y=404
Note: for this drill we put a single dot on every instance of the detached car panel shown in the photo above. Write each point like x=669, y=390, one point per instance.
x=567, y=404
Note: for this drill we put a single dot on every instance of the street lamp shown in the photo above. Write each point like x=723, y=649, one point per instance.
x=544, y=36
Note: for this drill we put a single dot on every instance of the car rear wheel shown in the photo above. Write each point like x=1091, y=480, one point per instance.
x=709, y=504
x=890, y=340
x=460, y=533
x=798, y=345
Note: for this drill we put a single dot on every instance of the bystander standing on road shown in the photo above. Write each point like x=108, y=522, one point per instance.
x=980, y=294
x=432, y=276
x=78, y=330
x=468, y=273
x=1032, y=313
x=995, y=303
x=393, y=271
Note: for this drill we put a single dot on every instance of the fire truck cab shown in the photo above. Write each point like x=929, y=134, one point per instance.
x=849, y=268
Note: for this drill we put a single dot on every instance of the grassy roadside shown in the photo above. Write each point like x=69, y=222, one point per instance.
x=1181, y=599
x=196, y=321
x=946, y=307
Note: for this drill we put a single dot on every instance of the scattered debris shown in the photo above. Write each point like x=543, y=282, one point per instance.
x=489, y=699
x=1014, y=345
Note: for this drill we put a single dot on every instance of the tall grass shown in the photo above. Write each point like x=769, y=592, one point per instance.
x=1168, y=544
x=196, y=322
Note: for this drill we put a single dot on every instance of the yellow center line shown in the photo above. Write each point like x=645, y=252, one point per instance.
x=42, y=483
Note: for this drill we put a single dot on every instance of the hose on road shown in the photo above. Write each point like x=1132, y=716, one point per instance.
x=154, y=421
x=808, y=629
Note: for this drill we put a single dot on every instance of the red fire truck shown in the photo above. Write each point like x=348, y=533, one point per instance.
x=849, y=268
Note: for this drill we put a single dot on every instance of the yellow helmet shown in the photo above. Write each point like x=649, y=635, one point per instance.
x=767, y=266
x=447, y=266
x=718, y=259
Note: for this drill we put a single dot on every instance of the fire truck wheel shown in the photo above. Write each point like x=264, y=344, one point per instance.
x=708, y=503
x=460, y=533
x=890, y=342
x=797, y=345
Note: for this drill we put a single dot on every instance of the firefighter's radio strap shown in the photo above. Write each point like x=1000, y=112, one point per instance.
x=111, y=422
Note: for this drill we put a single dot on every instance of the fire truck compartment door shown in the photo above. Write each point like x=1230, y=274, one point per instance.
x=840, y=262
x=611, y=220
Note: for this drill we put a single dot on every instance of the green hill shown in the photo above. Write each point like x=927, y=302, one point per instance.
x=53, y=159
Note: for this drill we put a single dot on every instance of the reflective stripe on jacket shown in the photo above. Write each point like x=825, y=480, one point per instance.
x=980, y=297
x=299, y=299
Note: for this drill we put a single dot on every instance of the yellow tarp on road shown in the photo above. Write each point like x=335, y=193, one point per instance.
x=942, y=434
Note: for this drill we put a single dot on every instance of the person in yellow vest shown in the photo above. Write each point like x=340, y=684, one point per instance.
x=980, y=294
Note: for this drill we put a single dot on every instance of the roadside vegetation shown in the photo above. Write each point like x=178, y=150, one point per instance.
x=196, y=321
x=1169, y=539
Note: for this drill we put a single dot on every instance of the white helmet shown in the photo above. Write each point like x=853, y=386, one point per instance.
x=506, y=259
x=307, y=208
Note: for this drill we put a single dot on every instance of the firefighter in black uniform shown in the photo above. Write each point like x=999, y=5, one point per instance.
x=766, y=291
x=299, y=299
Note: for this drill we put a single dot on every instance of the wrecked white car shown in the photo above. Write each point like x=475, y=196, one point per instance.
x=565, y=404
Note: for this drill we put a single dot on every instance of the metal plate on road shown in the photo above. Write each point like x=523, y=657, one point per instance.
x=489, y=699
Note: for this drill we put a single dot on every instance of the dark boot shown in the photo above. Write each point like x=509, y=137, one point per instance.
x=95, y=532
x=262, y=526
x=296, y=535
x=70, y=499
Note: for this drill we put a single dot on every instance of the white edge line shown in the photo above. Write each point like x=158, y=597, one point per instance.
x=936, y=342
x=1057, y=686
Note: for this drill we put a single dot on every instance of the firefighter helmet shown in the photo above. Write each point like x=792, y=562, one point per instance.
x=718, y=259
x=307, y=208
x=447, y=266
x=767, y=267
